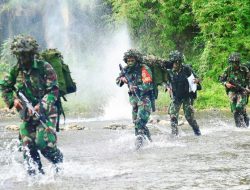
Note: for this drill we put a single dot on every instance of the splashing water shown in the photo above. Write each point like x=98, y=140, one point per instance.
x=94, y=52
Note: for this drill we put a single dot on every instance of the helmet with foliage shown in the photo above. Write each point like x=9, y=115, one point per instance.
x=21, y=44
x=132, y=53
x=234, y=57
x=176, y=56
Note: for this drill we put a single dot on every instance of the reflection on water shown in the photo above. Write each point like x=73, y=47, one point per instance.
x=106, y=159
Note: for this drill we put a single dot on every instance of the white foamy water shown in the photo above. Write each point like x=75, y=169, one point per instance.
x=100, y=158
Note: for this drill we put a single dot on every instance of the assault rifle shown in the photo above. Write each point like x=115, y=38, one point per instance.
x=28, y=105
x=238, y=87
x=130, y=83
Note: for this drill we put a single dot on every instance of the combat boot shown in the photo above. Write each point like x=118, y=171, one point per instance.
x=33, y=160
x=174, y=126
x=196, y=128
x=193, y=123
x=239, y=120
x=246, y=118
x=147, y=133
x=139, y=138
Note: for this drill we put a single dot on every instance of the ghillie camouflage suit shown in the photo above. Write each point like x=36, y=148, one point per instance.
x=236, y=80
x=37, y=80
x=179, y=91
x=139, y=97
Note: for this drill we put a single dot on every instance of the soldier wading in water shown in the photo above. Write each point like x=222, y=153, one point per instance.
x=37, y=81
x=236, y=79
x=178, y=87
x=138, y=76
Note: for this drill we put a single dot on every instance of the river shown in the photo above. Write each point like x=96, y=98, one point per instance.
x=99, y=158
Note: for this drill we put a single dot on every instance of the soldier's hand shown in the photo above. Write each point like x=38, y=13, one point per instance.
x=229, y=85
x=17, y=104
x=247, y=90
x=196, y=81
x=168, y=89
x=123, y=79
x=37, y=108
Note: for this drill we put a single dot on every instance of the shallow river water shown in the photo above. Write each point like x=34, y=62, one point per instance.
x=100, y=158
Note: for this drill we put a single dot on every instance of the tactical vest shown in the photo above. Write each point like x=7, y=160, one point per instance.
x=179, y=82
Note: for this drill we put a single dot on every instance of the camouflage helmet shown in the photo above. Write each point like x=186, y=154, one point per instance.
x=21, y=44
x=132, y=53
x=234, y=57
x=176, y=56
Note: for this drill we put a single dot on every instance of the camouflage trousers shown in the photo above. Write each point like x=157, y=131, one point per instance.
x=141, y=111
x=238, y=102
x=173, y=111
x=34, y=137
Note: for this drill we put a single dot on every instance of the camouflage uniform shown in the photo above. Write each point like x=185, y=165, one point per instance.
x=178, y=83
x=39, y=84
x=141, y=76
x=239, y=76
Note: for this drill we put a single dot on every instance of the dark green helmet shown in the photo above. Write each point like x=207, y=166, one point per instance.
x=176, y=56
x=132, y=53
x=21, y=44
x=234, y=57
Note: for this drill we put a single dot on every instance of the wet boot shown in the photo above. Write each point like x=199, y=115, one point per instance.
x=33, y=161
x=147, y=133
x=174, y=126
x=239, y=119
x=139, y=138
x=195, y=127
x=246, y=118
x=53, y=155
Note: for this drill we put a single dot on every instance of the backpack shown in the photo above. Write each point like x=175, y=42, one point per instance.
x=65, y=81
x=159, y=74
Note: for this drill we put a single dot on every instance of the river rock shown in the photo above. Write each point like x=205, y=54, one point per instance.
x=12, y=127
x=73, y=126
x=154, y=121
x=116, y=126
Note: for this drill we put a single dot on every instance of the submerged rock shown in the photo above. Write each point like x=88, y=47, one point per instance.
x=72, y=127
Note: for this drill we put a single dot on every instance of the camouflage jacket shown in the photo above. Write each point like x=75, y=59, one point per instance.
x=240, y=76
x=39, y=84
x=141, y=77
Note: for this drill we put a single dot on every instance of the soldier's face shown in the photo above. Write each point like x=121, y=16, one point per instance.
x=235, y=64
x=131, y=61
x=26, y=58
x=176, y=66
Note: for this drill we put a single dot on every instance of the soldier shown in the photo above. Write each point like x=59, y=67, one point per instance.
x=178, y=87
x=138, y=76
x=37, y=80
x=236, y=80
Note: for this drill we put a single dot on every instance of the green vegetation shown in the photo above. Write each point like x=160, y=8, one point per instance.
x=212, y=95
x=205, y=31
